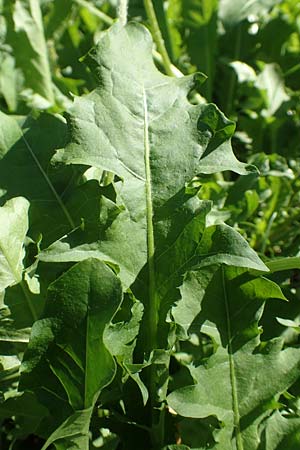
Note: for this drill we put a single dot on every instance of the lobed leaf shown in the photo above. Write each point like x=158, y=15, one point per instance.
x=139, y=125
x=239, y=380
x=280, y=433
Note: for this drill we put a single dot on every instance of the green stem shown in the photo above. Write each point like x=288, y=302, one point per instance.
x=157, y=430
x=172, y=70
x=267, y=232
x=162, y=19
x=235, y=403
x=104, y=17
x=175, y=71
x=122, y=12
x=153, y=303
x=292, y=70
x=157, y=36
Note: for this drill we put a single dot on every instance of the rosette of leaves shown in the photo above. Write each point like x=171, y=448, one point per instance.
x=151, y=228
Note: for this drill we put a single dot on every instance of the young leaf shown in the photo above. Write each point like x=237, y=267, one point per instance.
x=67, y=363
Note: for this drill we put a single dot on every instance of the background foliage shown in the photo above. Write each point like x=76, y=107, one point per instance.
x=250, y=54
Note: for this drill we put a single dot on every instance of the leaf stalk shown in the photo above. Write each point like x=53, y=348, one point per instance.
x=122, y=12
x=96, y=12
x=157, y=431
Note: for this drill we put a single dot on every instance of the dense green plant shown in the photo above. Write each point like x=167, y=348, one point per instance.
x=135, y=312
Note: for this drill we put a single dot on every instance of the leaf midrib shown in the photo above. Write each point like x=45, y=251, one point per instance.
x=48, y=181
x=234, y=391
x=153, y=306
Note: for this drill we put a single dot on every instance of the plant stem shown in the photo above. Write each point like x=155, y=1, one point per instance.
x=267, y=232
x=157, y=36
x=104, y=17
x=157, y=429
x=153, y=306
x=175, y=71
x=162, y=19
x=122, y=12
x=172, y=70
x=292, y=70
x=235, y=403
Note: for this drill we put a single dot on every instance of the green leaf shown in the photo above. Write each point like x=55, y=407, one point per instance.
x=119, y=337
x=238, y=381
x=222, y=244
x=280, y=433
x=193, y=289
x=10, y=133
x=12, y=337
x=73, y=434
x=233, y=12
x=244, y=72
x=66, y=363
x=151, y=137
x=14, y=225
x=24, y=306
x=26, y=36
x=8, y=80
x=148, y=134
x=271, y=80
x=28, y=413
x=294, y=324
x=193, y=26
x=26, y=150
